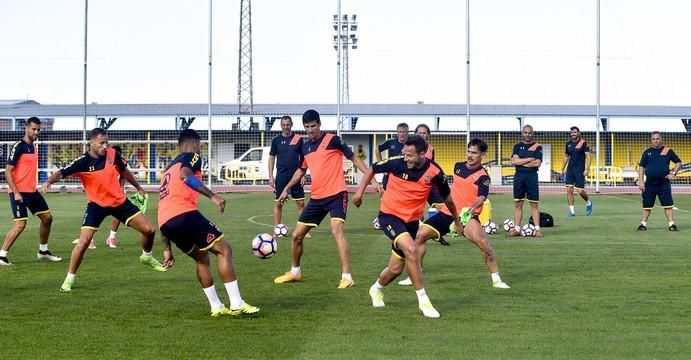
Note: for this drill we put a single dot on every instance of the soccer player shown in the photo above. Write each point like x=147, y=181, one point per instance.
x=469, y=191
x=654, y=168
x=182, y=223
x=577, y=165
x=21, y=172
x=99, y=170
x=394, y=147
x=435, y=200
x=111, y=241
x=323, y=154
x=285, y=154
x=527, y=157
x=411, y=179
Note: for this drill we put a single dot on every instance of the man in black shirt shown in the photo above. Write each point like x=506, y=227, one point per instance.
x=285, y=154
x=654, y=165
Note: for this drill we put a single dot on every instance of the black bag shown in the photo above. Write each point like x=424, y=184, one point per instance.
x=546, y=220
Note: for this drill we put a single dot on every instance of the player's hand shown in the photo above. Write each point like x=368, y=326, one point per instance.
x=303, y=180
x=458, y=227
x=219, y=202
x=168, y=258
x=141, y=192
x=376, y=186
x=18, y=197
x=641, y=185
x=272, y=182
x=669, y=176
x=283, y=197
x=586, y=172
x=44, y=188
x=357, y=199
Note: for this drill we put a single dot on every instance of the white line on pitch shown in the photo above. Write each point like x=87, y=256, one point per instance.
x=634, y=201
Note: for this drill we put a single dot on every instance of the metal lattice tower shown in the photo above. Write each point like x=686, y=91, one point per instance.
x=348, y=40
x=245, y=89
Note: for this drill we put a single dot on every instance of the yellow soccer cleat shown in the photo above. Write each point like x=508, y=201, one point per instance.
x=244, y=309
x=377, y=297
x=218, y=313
x=288, y=277
x=428, y=310
x=345, y=283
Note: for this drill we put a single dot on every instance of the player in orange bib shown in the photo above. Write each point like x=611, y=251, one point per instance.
x=99, y=170
x=469, y=191
x=411, y=179
x=182, y=223
x=323, y=154
x=20, y=171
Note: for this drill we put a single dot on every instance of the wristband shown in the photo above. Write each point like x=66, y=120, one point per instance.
x=193, y=182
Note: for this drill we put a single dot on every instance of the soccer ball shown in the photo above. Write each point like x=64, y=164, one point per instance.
x=490, y=228
x=280, y=230
x=264, y=246
x=508, y=224
x=375, y=223
x=528, y=230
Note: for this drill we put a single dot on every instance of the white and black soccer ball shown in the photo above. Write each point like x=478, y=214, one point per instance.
x=375, y=223
x=490, y=228
x=280, y=230
x=508, y=224
x=528, y=230
x=264, y=246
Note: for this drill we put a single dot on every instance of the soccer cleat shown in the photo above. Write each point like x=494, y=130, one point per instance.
x=588, y=209
x=111, y=242
x=4, y=261
x=288, y=277
x=67, y=285
x=308, y=236
x=514, y=232
x=538, y=233
x=642, y=227
x=152, y=262
x=571, y=214
x=673, y=227
x=244, y=309
x=377, y=297
x=443, y=241
x=48, y=256
x=428, y=310
x=219, y=312
x=405, y=282
x=92, y=244
x=345, y=283
x=500, y=285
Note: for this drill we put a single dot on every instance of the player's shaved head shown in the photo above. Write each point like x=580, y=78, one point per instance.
x=188, y=135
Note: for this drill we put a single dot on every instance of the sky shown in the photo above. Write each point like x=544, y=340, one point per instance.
x=537, y=52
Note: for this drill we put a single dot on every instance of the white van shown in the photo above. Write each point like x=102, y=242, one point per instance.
x=250, y=168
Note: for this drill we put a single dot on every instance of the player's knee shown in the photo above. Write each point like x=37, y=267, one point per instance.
x=20, y=225
x=397, y=268
x=409, y=249
x=47, y=219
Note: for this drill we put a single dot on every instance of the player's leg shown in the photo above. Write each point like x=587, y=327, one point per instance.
x=131, y=216
x=474, y=232
x=111, y=240
x=570, y=200
x=38, y=206
x=667, y=203
x=433, y=228
x=519, y=195
x=226, y=270
x=85, y=236
x=310, y=217
x=21, y=215
x=579, y=185
x=648, y=202
x=535, y=214
x=395, y=268
x=337, y=206
x=533, y=196
x=297, y=193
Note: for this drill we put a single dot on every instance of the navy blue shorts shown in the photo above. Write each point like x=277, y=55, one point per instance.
x=439, y=223
x=33, y=202
x=94, y=215
x=190, y=231
x=297, y=192
x=393, y=227
x=575, y=178
x=316, y=209
x=525, y=187
x=435, y=197
x=662, y=190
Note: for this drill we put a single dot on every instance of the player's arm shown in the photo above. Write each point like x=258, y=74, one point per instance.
x=677, y=165
x=168, y=258
x=588, y=160
x=53, y=178
x=515, y=160
x=193, y=182
x=482, y=192
x=533, y=163
x=380, y=148
x=272, y=161
x=641, y=174
x=537, y=158
x=366, y=178
x=77, y=165
x=299, y=173
x=360, y=165
x=10, y=182
x=564, y=163
x=442, y=184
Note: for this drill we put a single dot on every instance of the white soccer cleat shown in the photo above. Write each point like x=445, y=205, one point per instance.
x=500, y=285
x=47, y=256
x=405, y=282
x=428, y=310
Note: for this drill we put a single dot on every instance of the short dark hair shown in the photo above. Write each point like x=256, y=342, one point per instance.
x=96, y=132
x=187, y=135
x=402, y=125
x=527, y=126
x=417, y=141
x=424, y=126
x=481, y=145
x=287, y=117
x=117, y=149
x=656, y=133
x=575, y=128
x=311, y=116
x=34, y=120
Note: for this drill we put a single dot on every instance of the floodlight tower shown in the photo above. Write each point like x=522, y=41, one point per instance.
x=245, y=90
x=349, y=40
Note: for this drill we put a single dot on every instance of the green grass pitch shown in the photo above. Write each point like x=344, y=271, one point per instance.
x=593, y=287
